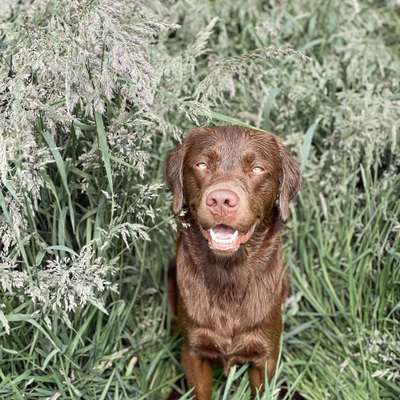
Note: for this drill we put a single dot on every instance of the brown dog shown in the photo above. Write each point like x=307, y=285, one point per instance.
x=228, y=284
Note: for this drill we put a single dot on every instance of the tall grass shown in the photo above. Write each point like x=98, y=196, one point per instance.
x=94, y=93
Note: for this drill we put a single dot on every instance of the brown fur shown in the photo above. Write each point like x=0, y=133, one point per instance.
x=228, y=306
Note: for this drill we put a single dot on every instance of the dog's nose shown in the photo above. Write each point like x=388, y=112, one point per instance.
x=222, y=202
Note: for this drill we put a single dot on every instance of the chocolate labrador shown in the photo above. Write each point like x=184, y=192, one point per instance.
x=231, y=190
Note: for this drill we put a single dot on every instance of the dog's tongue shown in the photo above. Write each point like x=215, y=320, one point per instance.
x=223, y=237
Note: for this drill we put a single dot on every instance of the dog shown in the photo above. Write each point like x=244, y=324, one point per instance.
x=231, y=188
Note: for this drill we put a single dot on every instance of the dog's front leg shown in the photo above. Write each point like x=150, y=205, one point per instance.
x=198, y=373
x=257, y=375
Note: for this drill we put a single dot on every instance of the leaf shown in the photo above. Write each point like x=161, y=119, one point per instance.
x=103, y=145
x=305, y=150
x=62, y=248
x=62, y=170
x=226, y=118
x=28, y=318
x=4, y=322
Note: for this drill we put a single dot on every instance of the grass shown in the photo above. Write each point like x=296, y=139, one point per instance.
x=339, y=111
x=342, y=331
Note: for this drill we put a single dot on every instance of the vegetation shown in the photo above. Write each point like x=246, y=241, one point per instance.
x=93, y=93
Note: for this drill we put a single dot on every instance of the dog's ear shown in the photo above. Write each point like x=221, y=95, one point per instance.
x=290, y=181
x=174, y=177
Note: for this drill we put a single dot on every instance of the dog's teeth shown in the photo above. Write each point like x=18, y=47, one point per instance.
x=223, y=240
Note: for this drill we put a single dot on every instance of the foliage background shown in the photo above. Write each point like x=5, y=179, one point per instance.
x=93, y=93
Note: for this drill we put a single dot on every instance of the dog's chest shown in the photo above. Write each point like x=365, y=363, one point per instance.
x=228, y=305
x=226, y=319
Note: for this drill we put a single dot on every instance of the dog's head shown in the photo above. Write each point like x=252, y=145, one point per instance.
x=230, y=178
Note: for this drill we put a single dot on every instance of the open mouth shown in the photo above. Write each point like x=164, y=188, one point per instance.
x=225, y=238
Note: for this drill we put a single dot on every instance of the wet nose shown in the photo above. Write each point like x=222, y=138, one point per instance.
x=222, y=202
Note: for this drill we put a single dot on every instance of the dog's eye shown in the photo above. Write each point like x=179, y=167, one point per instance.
x=201, y=165
x=258, y=170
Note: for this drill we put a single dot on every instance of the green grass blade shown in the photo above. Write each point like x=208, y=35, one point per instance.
x=305, y=150
x=62, y=171
x=104, y=150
